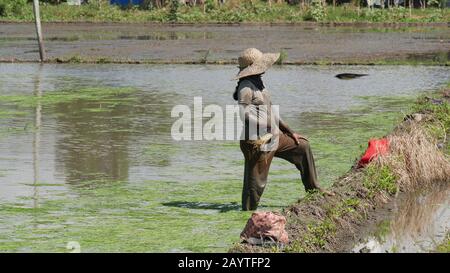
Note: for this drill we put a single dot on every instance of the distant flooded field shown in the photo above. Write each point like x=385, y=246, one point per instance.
x=178, y=43
x=86, y=153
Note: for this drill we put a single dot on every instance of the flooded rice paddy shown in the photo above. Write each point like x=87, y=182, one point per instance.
x=86, y=153
x=160, y=42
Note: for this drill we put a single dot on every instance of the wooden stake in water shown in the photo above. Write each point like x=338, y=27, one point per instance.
x=37, y=20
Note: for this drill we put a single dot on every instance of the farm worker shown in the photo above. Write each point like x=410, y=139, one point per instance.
x=256, y=112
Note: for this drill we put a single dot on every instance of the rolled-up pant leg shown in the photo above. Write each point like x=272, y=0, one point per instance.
x=301, y=156
x=257, y=166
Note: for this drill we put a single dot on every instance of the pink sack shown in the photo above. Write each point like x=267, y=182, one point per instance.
x=265, y=225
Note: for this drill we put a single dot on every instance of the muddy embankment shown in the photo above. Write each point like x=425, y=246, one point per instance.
x=397, y=203
x=221, y=44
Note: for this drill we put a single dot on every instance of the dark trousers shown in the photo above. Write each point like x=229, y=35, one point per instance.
x=257, y=164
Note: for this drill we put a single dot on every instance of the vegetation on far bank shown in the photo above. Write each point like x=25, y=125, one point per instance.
x=231, y=11
x=438, y=59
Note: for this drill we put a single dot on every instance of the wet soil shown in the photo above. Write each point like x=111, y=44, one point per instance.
x=222, y=43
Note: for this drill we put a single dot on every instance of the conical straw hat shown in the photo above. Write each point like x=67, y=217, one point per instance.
x=254, y=62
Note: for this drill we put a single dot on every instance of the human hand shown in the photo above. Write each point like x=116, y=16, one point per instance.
x=296, y=137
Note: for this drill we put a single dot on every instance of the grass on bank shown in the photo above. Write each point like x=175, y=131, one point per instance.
x=445, y=246
x=230, y=12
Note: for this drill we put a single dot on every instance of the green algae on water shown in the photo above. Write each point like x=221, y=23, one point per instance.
x=167, y=215
x=126, y=218
x=64, y=96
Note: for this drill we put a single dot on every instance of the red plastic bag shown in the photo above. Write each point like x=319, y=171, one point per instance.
x=376, y=148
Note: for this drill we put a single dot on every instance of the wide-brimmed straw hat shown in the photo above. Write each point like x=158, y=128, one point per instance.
x=254, y=62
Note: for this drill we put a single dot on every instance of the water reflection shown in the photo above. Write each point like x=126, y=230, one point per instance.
x=94, y=145
x=418, y=224
x=97, y=137
x=37, y=136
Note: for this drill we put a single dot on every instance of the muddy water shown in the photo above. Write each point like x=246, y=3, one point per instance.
x=104, y=171
x=301, y=43
x=418, y=222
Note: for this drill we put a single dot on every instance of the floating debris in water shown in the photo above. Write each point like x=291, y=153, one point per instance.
x=349, y=76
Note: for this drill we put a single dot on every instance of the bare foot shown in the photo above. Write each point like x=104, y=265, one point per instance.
x=326, y=192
